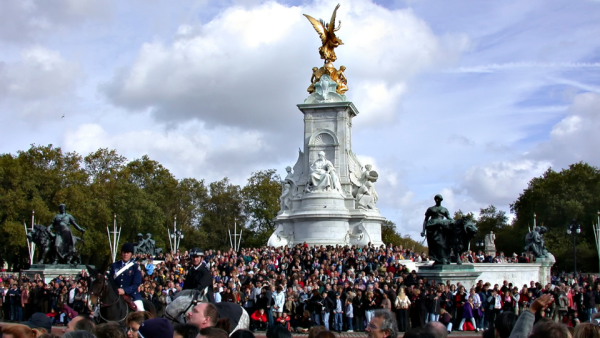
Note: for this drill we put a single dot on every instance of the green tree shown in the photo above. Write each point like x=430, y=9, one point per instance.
x=389, y=235
x=261, y=204
x=222, y=211
x=557, y=198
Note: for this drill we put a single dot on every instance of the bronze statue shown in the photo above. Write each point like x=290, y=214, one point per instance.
x=329, y=41
x=326, y=32
x=64, y=241
x=445, y=236
x=534, y=242
x=44, y=240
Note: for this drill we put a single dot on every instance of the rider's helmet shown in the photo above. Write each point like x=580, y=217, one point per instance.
x=196, y=252
x=127, y=247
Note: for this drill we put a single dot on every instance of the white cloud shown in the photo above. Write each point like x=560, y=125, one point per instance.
x=39, y=83
x=190, y=151
x=249, y=65
x=26, y=20
x=575, y=138
x=500, y=183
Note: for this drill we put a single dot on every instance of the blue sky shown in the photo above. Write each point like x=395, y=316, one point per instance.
x=470, y=99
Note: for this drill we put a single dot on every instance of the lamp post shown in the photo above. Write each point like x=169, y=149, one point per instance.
x=175, y=237
x=574, y=229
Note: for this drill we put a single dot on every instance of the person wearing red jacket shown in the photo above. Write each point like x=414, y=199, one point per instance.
x=259, y=320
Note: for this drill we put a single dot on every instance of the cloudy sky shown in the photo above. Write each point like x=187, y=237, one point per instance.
x=466, y=98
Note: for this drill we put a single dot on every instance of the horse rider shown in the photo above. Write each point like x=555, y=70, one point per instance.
x=128, y=276
x=199, y=277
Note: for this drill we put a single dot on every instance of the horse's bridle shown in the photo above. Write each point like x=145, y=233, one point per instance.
x=192, y=304
x=102, y=290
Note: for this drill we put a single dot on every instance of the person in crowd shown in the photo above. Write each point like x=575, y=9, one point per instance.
x=80, y=323
x=127, y=276
x=259, y=320
x=134, y=320
x=382, y=325
x=199, y=277
x=467, y=315
x=185, y=331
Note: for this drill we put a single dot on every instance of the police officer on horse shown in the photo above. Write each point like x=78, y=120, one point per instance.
x=127, y=276
x=199, y=277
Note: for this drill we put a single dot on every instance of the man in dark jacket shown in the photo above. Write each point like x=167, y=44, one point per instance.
x=589, y=301
x=199, y=277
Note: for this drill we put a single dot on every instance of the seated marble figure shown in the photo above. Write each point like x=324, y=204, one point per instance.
x=323, y=176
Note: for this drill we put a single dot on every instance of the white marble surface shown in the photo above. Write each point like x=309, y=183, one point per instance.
x=516, y=273
x=317, y=215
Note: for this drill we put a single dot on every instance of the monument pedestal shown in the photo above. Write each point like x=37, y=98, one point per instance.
x=465, y=274
x=545, y=275
x=49, y=272
x=329, y=214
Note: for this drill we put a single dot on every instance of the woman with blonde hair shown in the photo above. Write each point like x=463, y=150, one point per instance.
x=401, y=306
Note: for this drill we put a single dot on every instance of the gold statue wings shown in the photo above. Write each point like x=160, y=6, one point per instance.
x=326, y=32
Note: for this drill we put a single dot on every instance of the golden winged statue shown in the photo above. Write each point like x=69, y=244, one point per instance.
x=327, y=34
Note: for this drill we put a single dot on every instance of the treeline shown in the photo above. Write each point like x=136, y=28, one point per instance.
x=556, y=198
x=146, y=198
x=144, y=195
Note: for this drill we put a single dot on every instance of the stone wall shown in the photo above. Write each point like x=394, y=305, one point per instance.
x=495, y=273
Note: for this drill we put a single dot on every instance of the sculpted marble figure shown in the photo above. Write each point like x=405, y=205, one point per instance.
x=489, y=242
x=323, y=176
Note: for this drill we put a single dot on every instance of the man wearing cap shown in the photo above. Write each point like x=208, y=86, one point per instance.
x=128, y=276
x=199, y=277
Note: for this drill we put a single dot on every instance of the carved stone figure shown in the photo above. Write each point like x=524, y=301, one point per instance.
x=326, y=32
x=489, y=239
x=366, y=196
x=280, y=238
x=534, y=242
x=286, y=198
x=44, y=240
x=446, y=237
x=323, y=176
x=64, y=241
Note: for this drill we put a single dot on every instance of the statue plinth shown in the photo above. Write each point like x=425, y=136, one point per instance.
x=440, y=273
x=49, y=272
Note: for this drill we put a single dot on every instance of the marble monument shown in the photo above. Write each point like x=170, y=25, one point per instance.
x=329, y=196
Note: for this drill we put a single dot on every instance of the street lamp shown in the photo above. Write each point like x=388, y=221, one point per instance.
x=480, y=243
x=574, y=229
x=176, y=237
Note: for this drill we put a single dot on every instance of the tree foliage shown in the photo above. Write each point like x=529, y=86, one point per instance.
x=261, y=204
x=389, y=235
x=557, y=198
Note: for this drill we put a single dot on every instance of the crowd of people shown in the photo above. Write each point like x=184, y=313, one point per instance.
x=340, y=288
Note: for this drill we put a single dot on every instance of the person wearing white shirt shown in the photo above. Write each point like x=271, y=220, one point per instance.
x=279, y=297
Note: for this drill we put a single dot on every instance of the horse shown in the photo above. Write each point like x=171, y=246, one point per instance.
x=111, y=306
x=179, y=309
x=461, y=233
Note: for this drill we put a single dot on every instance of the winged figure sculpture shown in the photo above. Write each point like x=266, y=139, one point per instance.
x=326, y=32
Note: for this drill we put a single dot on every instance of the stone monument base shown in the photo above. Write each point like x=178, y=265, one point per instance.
x=465, y=274
x=49, y=272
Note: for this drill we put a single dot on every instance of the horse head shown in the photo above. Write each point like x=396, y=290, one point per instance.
x=180, y=308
